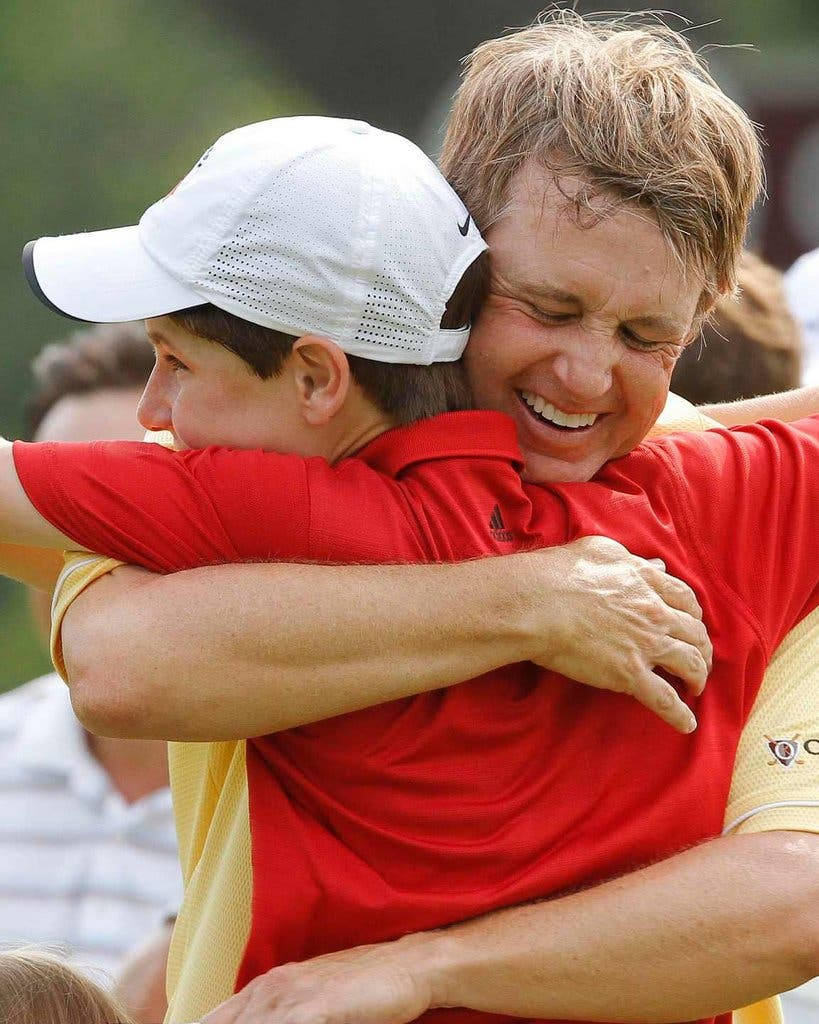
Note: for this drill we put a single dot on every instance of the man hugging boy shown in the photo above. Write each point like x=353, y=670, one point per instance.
x=308, y=288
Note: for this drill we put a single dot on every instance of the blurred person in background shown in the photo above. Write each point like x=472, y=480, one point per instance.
x=802, y=287
x=752, y=345
x=88, y=854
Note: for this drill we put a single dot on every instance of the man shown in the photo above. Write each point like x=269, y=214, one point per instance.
x=585, y=377
x=88, y=851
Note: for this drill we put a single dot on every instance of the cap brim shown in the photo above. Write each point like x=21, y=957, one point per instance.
x=103, y=277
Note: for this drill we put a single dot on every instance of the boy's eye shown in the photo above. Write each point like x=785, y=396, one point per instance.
x=173, y=362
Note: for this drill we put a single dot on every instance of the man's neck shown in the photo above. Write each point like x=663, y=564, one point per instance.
x=135, y=767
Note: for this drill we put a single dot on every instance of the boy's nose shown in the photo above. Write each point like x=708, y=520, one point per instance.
x=154, y=410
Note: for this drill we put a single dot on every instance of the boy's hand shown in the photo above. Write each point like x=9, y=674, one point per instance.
x=380, y=984
x=619, y=619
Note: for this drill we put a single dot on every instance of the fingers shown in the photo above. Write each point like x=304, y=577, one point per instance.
x=229, y=1012
x=674, y=592
x=687, y=662
x=692, y=631
x=660, y=697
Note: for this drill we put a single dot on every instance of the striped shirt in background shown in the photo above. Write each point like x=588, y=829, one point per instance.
x=80, y=868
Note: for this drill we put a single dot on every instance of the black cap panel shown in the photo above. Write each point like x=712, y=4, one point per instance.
x=34, y=284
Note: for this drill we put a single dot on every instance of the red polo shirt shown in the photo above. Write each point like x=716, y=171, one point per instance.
x=516, y=785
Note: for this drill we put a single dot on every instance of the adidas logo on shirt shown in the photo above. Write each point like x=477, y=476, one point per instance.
x=497, y=527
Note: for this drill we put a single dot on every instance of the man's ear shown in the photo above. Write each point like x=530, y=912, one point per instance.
x=322, y=377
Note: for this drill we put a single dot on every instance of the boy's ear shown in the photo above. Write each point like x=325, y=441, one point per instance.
x=322, y=377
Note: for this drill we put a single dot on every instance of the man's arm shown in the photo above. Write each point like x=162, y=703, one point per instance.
x=787, y=406
x=713, y=928
x=171, y=511
x=307, y=642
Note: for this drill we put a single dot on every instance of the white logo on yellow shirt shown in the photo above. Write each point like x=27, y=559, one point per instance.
x=785, y=751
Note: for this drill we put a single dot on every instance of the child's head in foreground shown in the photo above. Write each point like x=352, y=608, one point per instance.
x=38, y=988
x=309, y=284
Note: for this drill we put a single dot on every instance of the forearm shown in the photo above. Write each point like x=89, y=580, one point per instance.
x=280, y=657
x=712, y=929
x=237, y=651
x=787, y=406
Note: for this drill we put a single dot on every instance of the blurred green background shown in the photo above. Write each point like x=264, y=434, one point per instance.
x=107, y=104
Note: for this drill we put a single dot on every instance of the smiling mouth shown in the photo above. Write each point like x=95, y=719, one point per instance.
x=544, y=412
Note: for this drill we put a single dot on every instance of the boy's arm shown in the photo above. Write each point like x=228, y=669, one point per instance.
x=22, y=526
x=787, y=406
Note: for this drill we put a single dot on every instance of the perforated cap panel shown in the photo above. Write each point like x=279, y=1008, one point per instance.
x=340, y=230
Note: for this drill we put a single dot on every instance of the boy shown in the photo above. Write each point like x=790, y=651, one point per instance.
x=339, y=857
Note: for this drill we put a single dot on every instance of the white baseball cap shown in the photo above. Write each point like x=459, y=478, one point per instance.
x=308, y=225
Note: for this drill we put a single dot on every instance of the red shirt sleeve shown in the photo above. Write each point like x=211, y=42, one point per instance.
x=166, y=510
x=749, y=498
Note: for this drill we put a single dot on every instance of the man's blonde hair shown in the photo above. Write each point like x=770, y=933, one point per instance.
x=624, y=104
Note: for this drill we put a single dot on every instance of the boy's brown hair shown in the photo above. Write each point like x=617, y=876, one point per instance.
x=625, y=105
x=406, y=392
x=38, y=988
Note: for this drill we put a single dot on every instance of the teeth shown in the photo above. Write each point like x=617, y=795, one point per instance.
x=554, y=415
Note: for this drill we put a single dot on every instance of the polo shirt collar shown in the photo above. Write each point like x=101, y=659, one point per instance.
x=474, y=434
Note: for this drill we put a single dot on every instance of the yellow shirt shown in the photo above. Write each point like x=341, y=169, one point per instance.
x=209, y=786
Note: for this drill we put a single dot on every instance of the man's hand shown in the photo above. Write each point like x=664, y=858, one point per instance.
x=378, y=984
x=619, y=618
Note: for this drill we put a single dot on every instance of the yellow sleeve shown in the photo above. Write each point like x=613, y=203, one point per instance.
x=679, y=415
x=80, y=570
x=776, y=775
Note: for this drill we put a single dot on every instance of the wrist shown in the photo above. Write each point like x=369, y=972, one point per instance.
x=516, y=605
x=432, y=959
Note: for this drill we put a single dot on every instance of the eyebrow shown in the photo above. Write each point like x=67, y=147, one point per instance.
x=659, y=322
x=663, y=323
x=549, y=291
x=156, y=337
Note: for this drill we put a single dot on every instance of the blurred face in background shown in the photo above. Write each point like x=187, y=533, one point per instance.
x=584, y=322
x=104, y=415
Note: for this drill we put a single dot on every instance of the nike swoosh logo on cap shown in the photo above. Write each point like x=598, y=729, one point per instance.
x=464, y=228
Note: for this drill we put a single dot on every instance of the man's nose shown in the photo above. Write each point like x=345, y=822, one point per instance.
x=584, y=365
x=154, y=410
